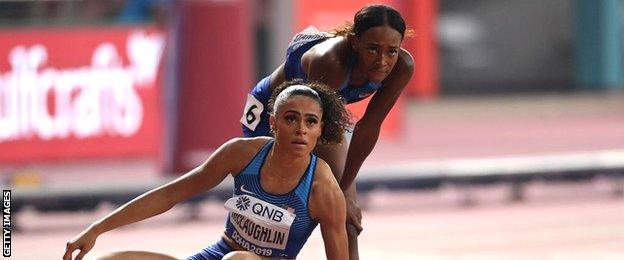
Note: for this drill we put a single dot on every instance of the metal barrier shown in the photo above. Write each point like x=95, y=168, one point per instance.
x=516, y=171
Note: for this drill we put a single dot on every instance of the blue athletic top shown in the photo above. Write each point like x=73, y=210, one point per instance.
x=255, y=119
x=254, y=200
x=303, y=42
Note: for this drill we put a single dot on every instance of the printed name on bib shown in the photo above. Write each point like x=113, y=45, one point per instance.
x=251, y=247
x=259, y=222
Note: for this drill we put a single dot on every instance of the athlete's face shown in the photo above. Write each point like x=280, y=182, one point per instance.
x=378, y=50
x=297, y=124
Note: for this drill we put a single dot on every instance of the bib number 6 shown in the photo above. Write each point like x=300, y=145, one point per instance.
x=251, y=116
x=251, y=113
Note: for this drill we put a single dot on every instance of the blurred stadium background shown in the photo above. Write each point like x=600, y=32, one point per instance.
x=507, y=144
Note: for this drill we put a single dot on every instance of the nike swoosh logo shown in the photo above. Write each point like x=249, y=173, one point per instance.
x=242, y=188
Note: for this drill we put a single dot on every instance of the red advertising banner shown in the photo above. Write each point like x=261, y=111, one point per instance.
x=69, y=93
x=422, y=17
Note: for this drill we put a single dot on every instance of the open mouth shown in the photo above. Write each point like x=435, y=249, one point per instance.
x=299, y=142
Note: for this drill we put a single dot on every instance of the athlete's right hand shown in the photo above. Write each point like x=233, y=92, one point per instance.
x=83, y=242
x=354, y=215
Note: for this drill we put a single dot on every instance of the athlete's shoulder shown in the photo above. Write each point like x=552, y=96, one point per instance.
x=328, y=61
x=238, y=152
x=330, y=51
x=323, y=174
x=405, y=61
x=244, y=147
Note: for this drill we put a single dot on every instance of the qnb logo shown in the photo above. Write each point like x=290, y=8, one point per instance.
x=242, y=203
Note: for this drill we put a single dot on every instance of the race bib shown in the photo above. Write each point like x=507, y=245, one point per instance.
x=259, y=222
x=252, y=112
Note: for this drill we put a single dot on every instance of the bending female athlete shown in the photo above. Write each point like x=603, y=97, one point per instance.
x=281, y=190
x=356, y=60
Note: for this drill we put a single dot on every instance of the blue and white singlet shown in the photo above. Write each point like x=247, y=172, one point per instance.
x=267, y=224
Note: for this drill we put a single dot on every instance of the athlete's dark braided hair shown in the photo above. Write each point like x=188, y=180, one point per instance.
x=371, y=16
x=336, y=118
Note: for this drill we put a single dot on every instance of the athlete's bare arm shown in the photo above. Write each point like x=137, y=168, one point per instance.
x=163, y=198
x=366, y=130
x=327, y=206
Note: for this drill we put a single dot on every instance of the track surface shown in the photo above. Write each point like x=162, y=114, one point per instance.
x=557, y=221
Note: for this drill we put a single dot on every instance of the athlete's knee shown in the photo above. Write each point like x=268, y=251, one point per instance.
x=241, y=255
